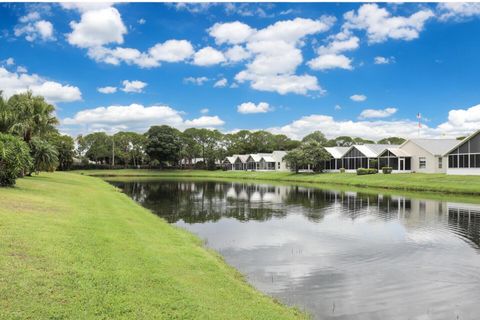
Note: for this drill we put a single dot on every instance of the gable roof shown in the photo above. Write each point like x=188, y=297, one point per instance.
x=461, y=142
x=372, y=150
x=437, y=147
x=268, y=159
x=337, y=152
x=397, y=152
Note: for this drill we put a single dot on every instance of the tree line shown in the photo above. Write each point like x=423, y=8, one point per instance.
x=30, y=142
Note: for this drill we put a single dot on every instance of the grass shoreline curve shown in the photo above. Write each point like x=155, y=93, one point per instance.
x=437, y=183
x=73, y=246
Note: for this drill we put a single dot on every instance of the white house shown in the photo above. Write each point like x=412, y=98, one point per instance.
x=335, y=162
x=257, y=162
x=464, y=157
x=428, y=155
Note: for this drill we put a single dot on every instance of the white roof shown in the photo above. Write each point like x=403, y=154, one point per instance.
x=399, y=152
x=461, y=142
x=242, y=157
x=337, y=152
x=373, y=150
x=230, y=159
x=435, y=146
x=268, y=159
x=255, y=157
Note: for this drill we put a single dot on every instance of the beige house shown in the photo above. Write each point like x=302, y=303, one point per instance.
x=257, y=162
x=428, y=155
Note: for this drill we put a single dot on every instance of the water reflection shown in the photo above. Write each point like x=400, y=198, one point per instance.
x=340, y=255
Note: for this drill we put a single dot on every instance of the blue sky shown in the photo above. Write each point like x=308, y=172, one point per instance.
x=346, y=69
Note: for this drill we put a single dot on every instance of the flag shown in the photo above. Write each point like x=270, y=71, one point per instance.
x=419, y=117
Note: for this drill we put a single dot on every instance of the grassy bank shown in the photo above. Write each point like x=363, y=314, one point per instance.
x=469, y=185
x=72, y=246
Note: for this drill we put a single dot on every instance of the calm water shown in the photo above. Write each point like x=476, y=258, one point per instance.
x=338, y=255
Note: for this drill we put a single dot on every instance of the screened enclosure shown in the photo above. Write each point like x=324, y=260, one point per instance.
x=467, y=155
x=389, y=159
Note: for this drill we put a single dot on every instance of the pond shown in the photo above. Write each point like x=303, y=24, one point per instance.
x=335, y=254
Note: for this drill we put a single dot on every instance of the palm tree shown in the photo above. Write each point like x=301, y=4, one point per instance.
x=29, y=116
x=45, y=155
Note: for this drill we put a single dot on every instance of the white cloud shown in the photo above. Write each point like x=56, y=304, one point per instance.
x=380, y=25
x=10, y=61
x=383, y=60
x=232, y=32
x=462, y=121
x=107, y=90
x=134, y=117
x=172, y=51
x=276, y=56
x=204, y=111
x=34, y=30
x=12, y=83
x=31, y=16
x=458, y=10
x=281, y=84
x=221, y=83
x=22, y=69
x=367, y=129
x=377, y=113
x=358, y=97
x=338, y=107
x=208, y=56
x=330, y=61
x=85, y=6
x=237, y=53
x=205, y=122
x=198, y=81
x=97, y=28
x=141, y=21
x=250, y=107
x=133, y=86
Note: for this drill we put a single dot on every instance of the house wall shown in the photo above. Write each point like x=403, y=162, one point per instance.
x=432, y=161
x=278, y=155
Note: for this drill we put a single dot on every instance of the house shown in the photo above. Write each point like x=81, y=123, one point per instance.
x=363, y=156
x=399, y=160
x=464, y=157
x=335, y=162
x=240, y=162
x=257, y=162
x=428, y=155
x=228, y=163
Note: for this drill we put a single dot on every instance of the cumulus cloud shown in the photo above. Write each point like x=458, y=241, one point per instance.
x=462, y=121
x=330, y=61
x=13, y=82
x=250, y=107
x=10, y=61
x=237, y=53
x=22, y=69
x=32, y=28
x=172, y=51
x=221, y=83
x=368, y=129
x=380, y=25
x=107, y=90
x=135, y=86
x=134, y=117
x=281, y=84
x=458, y=10
x=231, y=32
x=358, y=97
x=383, y=60
x=205, y=122
x=204, y=111
x=198, y=81
x=377, y=113
x=208, y=56
x=97, y=28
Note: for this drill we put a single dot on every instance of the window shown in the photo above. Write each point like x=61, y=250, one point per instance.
x=422, y=163
x=440, y=163
x=278, y=165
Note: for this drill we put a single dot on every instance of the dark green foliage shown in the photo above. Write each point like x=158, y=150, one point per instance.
x=65, y=148
x=342, y=170
x=164, y=144
x=391, y=140
x=45, y=155
x=387, y=170
x=15, y=159
x=364, y=171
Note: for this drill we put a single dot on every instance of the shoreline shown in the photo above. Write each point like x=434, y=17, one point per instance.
x=408, y=182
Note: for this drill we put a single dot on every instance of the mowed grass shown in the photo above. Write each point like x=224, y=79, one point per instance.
x=469, y=185
x=74, y=247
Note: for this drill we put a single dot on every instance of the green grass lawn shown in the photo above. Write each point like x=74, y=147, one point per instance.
x=73, y=246
x=407, y=182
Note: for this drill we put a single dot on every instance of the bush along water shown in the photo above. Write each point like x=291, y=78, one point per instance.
x=364, y=171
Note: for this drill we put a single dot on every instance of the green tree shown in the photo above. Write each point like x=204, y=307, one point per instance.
x=65, y=146
x=295, y=159
x=15, y=159
x=129, y=147
x=391, y=140
x=317, y=136
x=314, y=154
x=45, y=155
x=97, y=146
x=164, y=144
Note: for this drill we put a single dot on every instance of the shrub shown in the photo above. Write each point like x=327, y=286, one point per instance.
x=387, y=170
x=15, y=159
x=342, y=170
x=364, y=171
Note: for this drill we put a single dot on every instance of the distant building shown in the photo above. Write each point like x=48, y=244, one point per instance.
x=256, y=162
